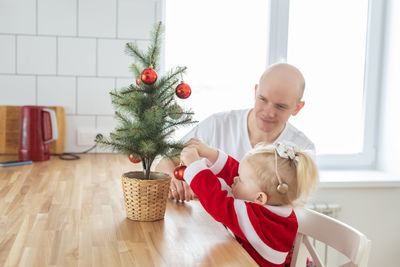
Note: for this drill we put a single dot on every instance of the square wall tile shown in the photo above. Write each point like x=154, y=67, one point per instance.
x=57, y=91
x=18, y=16
x=17, y=90
x=73, y=123
x=57, y=17
x=94, y=96
x=112, y=60
x=97, y=18
x=136, y=18
x=106, y=122
x=121, y=82
x=36, y=55
x=7, y=54
x=77, y=56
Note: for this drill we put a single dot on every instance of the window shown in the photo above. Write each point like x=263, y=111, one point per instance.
x=335, y=43
x=331, y=43
x=223, y=44
x=330, y=52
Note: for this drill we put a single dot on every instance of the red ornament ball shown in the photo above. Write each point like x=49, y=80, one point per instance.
x=133, y=159
x=179, y=171
x=148, y=76
x=138, y=81
x=183, y=90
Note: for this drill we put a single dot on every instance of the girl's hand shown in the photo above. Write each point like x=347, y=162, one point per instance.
x=203, y=149
x=189, y=155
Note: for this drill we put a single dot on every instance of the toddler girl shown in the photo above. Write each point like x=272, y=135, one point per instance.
x=255, y=198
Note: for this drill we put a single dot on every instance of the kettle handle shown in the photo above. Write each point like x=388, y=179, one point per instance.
x=54, y=129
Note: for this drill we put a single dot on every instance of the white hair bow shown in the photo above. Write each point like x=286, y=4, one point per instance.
x=287, y=150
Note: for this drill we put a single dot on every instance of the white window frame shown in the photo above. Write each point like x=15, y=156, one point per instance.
x=277, y=52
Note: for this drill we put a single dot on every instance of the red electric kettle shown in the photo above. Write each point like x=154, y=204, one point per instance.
x=38, y=129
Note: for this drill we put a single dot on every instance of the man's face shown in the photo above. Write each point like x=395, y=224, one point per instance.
x=275, y=101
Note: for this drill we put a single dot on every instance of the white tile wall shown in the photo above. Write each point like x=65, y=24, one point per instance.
x=93, y=96
x=70, y=53
x=142, y=44
x=112, y=59
x=139, y=12
x=125, y=82
x=17, y=90
x=57, y=91
x=7, y=54
x=36, y=55
x=18, y=16
x=77, y=56
x=57, y=17
x=97, y=18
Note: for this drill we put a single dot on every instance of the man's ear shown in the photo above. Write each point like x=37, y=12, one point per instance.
x=261, y=198
x=298, y=108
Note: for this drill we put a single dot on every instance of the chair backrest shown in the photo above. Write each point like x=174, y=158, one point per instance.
x=344, y=238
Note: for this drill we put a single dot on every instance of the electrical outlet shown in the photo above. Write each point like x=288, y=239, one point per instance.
x=86, y=136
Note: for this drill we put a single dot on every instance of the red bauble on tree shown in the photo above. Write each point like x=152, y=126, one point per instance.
x=149, y=76
x=183, y=90
x=179, y=171
x=133, y=159
x=138, y=81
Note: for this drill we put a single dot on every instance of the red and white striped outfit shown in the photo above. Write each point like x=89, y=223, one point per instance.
x=266, y=232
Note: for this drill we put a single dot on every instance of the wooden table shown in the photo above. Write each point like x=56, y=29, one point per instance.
x=71, y=213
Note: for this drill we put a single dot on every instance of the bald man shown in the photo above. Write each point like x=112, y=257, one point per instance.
x=277, y=97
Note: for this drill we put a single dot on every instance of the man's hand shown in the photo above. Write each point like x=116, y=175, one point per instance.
x=180, y=190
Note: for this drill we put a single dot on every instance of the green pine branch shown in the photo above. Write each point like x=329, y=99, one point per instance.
x=131, y=89
x=133, y=50
x=154, y=49
x=135, y=70
x=122, y=118
x=147, y=114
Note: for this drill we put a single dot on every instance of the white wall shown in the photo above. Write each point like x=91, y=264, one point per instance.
x=374, y=212
x=70, y=53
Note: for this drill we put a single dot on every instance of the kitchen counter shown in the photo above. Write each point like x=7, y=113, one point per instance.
x=72, y=213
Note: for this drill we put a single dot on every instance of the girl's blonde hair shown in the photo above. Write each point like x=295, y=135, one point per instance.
x=300, y=174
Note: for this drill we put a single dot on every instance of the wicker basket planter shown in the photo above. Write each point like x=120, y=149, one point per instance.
x=145, y=200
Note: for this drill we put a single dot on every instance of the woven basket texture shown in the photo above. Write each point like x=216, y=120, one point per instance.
x=145, y=200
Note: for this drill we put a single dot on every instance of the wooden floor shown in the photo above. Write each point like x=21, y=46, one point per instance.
x=71, y=213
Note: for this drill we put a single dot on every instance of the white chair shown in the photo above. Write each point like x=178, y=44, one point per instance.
x=344, y=238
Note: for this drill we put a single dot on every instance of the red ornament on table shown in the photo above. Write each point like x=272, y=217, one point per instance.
x=133, y=159
x=183, y=90
x=179, y=171
x=149, y=76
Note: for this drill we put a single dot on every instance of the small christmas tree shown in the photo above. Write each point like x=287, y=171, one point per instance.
x=147, y=111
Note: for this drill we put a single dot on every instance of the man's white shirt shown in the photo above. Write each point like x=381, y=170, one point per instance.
x=228, y=132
